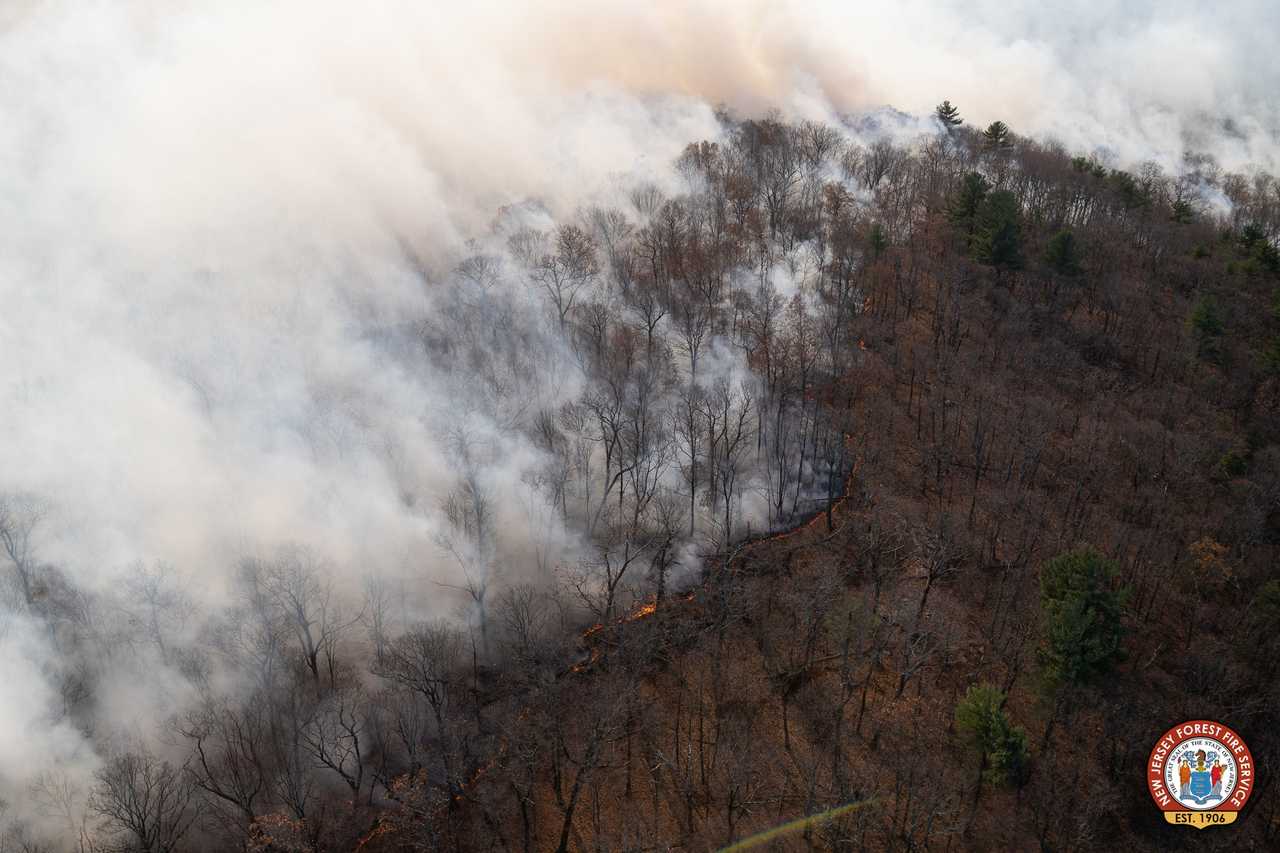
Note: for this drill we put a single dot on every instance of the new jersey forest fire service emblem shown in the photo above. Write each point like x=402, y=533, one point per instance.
x=1200, y=774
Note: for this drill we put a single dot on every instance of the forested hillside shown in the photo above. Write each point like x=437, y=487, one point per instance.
x=933, y=474
x=1054, y=385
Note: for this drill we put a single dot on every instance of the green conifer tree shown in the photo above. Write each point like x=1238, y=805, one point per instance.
x=965, y=203
x=948, y=115
x=877, y=240
x=1083, y=634
x=997, y=135
x=1063, y=253
x=1207, y=329
x=1002, y=746
x=997, y=236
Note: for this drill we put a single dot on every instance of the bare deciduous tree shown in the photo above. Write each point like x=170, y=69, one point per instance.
x=157, y=606
x=424, y=661
x=145, y=803
x=230, y=759
x=564, y=273
x=20, y=516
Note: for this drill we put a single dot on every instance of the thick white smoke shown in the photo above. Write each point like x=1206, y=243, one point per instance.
x=214, y=218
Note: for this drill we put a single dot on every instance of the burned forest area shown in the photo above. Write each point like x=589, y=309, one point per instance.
x=916, y=481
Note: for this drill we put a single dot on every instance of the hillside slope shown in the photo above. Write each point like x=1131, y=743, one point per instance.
x=997, y=414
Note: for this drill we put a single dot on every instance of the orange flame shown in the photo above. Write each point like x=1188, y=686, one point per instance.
x=643, y=610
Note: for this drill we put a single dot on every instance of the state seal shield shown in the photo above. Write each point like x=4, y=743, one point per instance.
x=1199, y=790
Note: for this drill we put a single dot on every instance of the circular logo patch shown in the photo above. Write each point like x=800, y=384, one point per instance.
x=1200, y=774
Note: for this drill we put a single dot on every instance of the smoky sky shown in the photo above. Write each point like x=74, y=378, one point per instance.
x=217, y=220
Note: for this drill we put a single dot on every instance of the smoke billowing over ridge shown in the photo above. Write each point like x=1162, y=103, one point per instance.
x=216, y=227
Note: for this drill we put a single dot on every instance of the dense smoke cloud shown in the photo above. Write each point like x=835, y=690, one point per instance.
x=1137, y=79
x=220, y=224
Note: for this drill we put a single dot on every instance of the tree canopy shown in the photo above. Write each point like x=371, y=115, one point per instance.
x=1003, y=746
x=1083, y=634
x=997, y=135
x=1062, y=253
x=948, y=115
x=1206, y=328
x=997, y=238
x=965, y=203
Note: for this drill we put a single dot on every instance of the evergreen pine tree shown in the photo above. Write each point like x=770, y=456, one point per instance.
x=997, y=236
x=1183, y=212
x=948, y=115
x=877, y=241
x=1261, y=255
x=1082, y=631
x=1063, y=253
x=965, y=204
x=1003, y=746
x=1206, y=327
x=997, y=135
